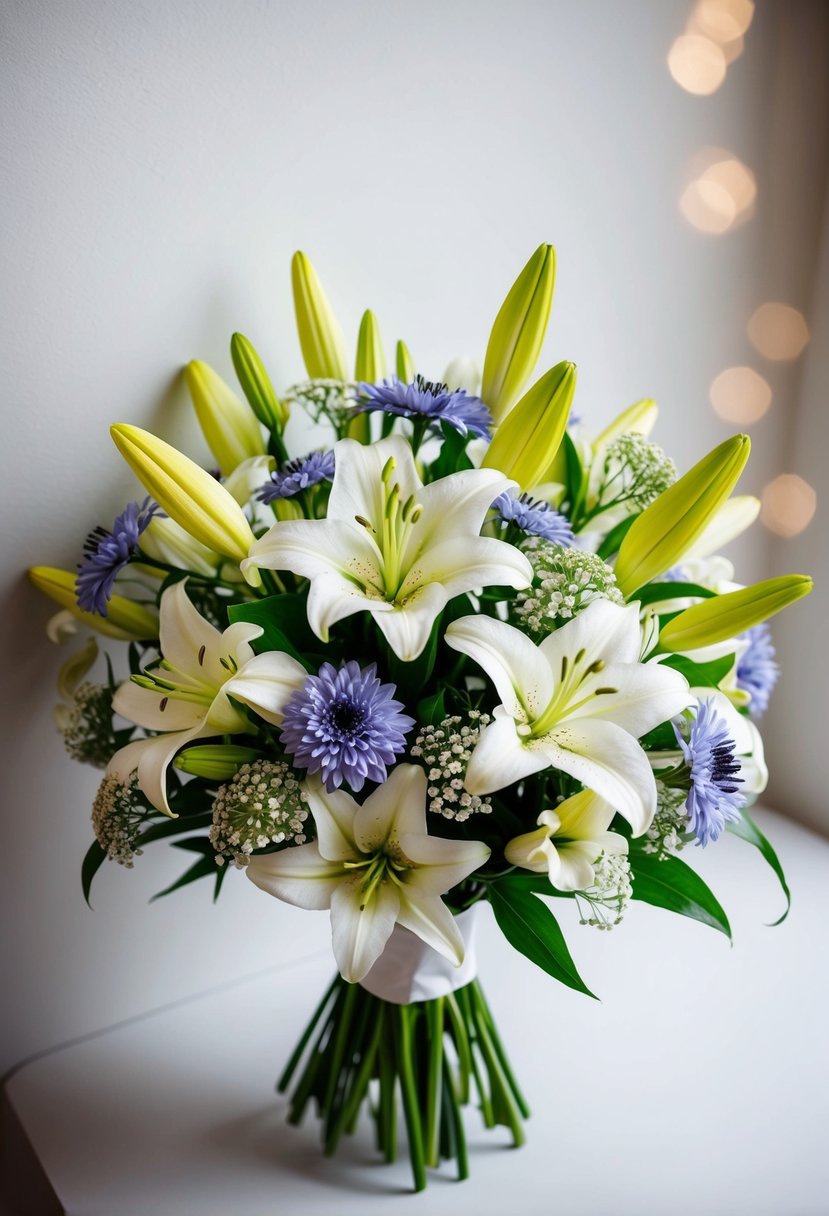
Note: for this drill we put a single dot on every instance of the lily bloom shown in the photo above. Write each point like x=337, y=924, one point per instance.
x=374, y=866
x=392, y=546
x=577, y=702
x=568, y=842
x=187, y=695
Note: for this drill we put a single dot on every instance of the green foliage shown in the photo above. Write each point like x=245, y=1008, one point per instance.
x=655, y=593
x=284, y=622
x=92, y=862
x=204, y=867
x=673, y=885
x=452, y=455
x=747, y=829
x=701, y=675
x=529, y=926
x=614, y=538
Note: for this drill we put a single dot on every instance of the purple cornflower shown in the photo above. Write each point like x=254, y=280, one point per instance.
x=298, y=475
x=714, y=798
x=430, y=400
x=757, y=671
x=535, y=518
x=345, y=725
x=107, y=553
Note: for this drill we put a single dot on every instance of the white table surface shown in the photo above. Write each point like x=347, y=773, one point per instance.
x=698, y=1085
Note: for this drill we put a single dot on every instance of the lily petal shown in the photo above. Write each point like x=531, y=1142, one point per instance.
x=465, y=562
x=151, y=757
x=311, y=547
x=407, y=628
x=440, y=864
x=501, y=756
x=457, y=503
x=360, y=930
x=397, y=806
x=358, y=488
x=428, y=917
x=641, y=696
x=333, y=597
x=605, y=631
x=510, y=659
x=266, y=683
x=605, y=758
x=155, y=711
x=299, y=875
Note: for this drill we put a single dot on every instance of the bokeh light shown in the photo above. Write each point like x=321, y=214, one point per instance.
x=723, y=21
x=740, y=395
x=788, y=505
x=721, y=192
x=697, y=64
x=778, y=331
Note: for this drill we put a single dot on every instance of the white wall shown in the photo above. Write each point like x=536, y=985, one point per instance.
x=162, y=161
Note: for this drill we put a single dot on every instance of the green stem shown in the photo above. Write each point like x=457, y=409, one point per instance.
x=387, y=1108
x=480, y=999
x=351, y=1107
x=434, y=1028
x=453, y=1107
x=339, y=1041
x=411, y=1107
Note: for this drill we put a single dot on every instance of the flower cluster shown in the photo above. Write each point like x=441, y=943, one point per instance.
x=445, y=750
x=565, y=581
x=87, y=730
x=263, y=805
x=603, y=904
x=119, y=813
x=664, y=837
x=635, y=472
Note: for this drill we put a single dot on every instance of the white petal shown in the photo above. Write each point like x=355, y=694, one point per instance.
x=585, y=816
x=429, y=917
x=358, y=488
x=603, y=631
x=360, y=931
x=407, y=628
x=462, y=563
x=502, y=757
x=530, y=851
x=522, y=677
x=151, y=757
x=144, y=707
x=298, y=875
x=456, y=505
x=608, y=760
x=440, y=864
x=334, y=815
x=333, y=597
x=397, y=806
x=753, y=769
x=646, y=695
x=248, y=477
x=311, y=547
x=183, y=632
x=574, y=871
x=266, y=683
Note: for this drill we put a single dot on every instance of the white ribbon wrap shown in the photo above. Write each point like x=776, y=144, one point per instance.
x=408, y=970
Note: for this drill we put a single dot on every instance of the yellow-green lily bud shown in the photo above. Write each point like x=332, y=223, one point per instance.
x=637, y=419
x=404, y=363
x=665, y=530
x=256, y=384
x=515, y=342
x=527, y=440
x=320, y=337
x=189, y=495
x=230, y=428
x=369, y=367
x=725, y=616
x=215, y=761
x=125, y=620
x=166, y=541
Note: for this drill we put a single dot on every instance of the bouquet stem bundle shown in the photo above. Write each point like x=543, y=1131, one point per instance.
x=433, y=1057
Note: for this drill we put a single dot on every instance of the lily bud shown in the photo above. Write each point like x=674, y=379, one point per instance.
x=256, y=384
x=231, y=430
x=515, y=342
x=527, y=440
x=370, y=367
x=320, y=337
x=125, y=620
x=166, y=541
x=404, y=364
x=464, y=373
x=215, y=761
x=637, y=419
x=725, y=616
x=667, y=529
x=189, y=495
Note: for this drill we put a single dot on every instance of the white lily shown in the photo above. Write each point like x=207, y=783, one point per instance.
x=578, y=703
x=568, y=842
x=374, y=866
x=392, y=546
x=186, y=696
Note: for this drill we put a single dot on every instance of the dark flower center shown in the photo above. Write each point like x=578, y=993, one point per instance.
x=724, y=768
x=433, y=387
x=345, y=717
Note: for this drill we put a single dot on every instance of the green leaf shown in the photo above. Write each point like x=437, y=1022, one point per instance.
x=432, y=710
x=205, y=867
x=452, y=455
x=701, y=675
x=92, y=862
x=654, y=593
x=747, y=829
x=574, y=472
x=614, y=538
x=174, y=827
x=529, y=926
x=671, y=884
x=283, y=618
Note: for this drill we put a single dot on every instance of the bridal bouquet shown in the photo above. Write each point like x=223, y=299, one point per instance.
x=463, y=650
